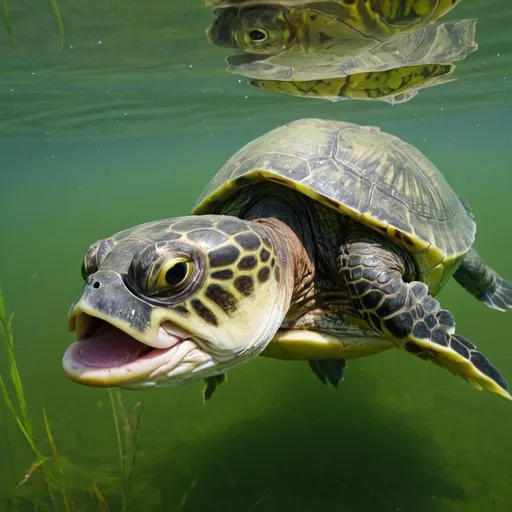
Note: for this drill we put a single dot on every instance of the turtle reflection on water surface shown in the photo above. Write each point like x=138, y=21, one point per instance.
x=271, y=27
x=393, y=72
x=318, y=241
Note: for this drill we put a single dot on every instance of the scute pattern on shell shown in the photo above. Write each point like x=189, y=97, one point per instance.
x=372, y=176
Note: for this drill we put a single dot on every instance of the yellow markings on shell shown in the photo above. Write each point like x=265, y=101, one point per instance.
x=421, y=7
x=332, y=203
x=439, y=275
x=389, y=9
x=366, y=85
x=428, y=256
x=286, y=32
x=410, y=242
x=436, y=278
x=302, y=88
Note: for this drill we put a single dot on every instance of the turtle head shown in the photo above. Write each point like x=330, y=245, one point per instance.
x=174, y=301
x=260, y=30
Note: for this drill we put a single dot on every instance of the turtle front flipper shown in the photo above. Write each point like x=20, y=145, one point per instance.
x=407, y=315
x=483, y=282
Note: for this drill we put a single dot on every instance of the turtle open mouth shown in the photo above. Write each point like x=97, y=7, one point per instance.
x=103, y=345
x=105, y=355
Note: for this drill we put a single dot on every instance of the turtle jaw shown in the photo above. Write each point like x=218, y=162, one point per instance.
x=106, y=355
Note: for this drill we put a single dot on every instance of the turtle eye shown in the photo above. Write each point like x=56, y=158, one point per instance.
x=258, y=35
x=174, y=273
x=177, y=273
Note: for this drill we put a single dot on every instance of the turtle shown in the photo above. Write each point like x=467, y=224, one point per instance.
x=318, y=241
x=264, y=27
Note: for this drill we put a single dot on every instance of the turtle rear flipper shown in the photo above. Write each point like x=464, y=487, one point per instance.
x=406, y=314
x=211, y=384
x=484, y=283
x=328, y=370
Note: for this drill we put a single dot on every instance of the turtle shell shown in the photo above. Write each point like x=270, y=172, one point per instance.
x=369, y=175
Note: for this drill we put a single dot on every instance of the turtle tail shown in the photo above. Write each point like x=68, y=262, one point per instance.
x=483, y=282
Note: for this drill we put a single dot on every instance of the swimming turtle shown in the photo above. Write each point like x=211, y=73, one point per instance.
x=271, y=27
x=320, y=240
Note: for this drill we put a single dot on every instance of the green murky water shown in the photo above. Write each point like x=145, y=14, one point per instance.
x=126, y=123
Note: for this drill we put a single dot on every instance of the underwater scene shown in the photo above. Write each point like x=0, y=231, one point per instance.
x=255, y=255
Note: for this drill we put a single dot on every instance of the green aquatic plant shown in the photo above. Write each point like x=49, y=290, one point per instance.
x=127, y=434
x=56, y=14
x=58, y=19
x=13, y=396
x=55, y=466
x=57, y=459
x=7, y=18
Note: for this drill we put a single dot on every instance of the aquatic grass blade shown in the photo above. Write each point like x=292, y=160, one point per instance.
x=7, y=439
x=39, y=505
x=7, y=18
x=127, y=440
x=20, y=417
x=31, y=470
x=21, y=426
x=8, y=336
x=19, y=414
x=184, y=498
x=100, y=500
x=56, y=458
x=119, y=443
x=13, y=397
x=58, y=19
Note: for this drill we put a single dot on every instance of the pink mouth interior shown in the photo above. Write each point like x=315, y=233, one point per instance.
x=111, y=347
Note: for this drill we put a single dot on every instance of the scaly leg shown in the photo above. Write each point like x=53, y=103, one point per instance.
x=483, y=282
x=406, y=314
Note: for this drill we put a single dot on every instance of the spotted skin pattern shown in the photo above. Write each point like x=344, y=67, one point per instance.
x=238, y=257
x=408, y=315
